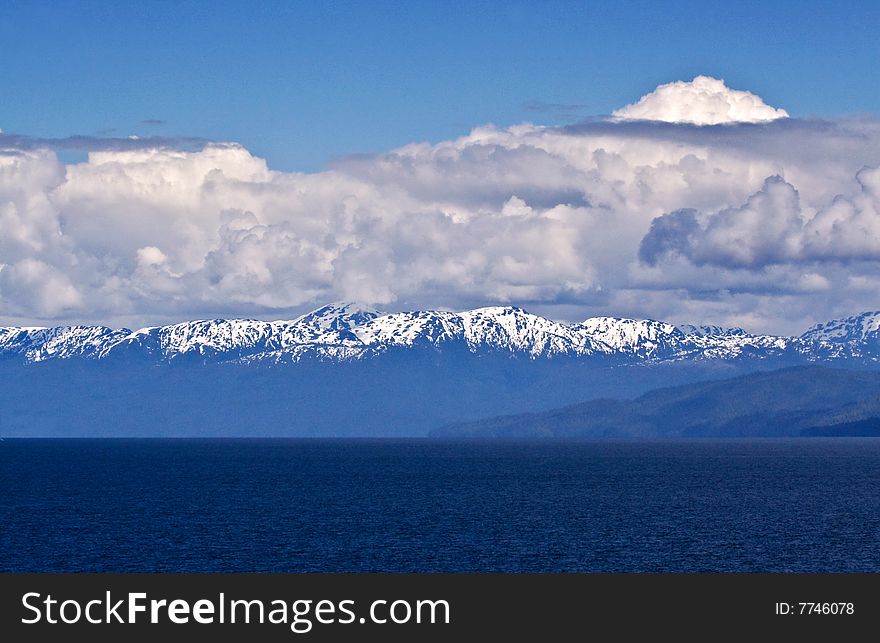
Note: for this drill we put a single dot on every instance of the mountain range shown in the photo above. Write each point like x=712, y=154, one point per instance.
x=345, y=332
x=345, y=370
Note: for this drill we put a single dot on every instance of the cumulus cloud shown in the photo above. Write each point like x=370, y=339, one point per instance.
x=742, y=223
x=39, y=286
x=771, y=228
x=702, y=101
x=848, y=228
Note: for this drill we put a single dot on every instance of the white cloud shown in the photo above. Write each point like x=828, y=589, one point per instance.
x=39, y=286
x=771, y=228
x=551, y=218
x=702, y=101
x=848, y=228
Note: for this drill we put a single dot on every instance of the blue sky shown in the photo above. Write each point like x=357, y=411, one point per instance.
x=300, y=83
x=360, y=166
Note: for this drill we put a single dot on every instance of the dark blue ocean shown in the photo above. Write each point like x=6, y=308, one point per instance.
x=419, y=505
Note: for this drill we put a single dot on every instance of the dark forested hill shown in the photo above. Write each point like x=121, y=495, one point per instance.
x=810, y=400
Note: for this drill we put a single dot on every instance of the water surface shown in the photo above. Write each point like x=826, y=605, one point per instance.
x=420, y=505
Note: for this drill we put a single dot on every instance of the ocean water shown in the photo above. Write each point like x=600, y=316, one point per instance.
x=428, y=506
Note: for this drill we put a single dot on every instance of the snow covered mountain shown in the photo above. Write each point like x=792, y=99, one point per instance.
x=856, y=336
x=343, y=370
x=347, y=332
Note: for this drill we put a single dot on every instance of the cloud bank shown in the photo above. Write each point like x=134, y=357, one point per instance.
x=768, y=225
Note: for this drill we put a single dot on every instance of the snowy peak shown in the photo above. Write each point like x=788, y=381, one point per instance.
x=514, y=330
x=206, y=337
x=338, y=316
x=330, y=324
x=492, y=329
x=854, y=337
x=63, y=342
x=427, y=328
x=645, y=337
x=858, y=328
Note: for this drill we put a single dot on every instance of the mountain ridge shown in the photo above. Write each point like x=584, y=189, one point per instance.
x=798, y=401
x=344, y=332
